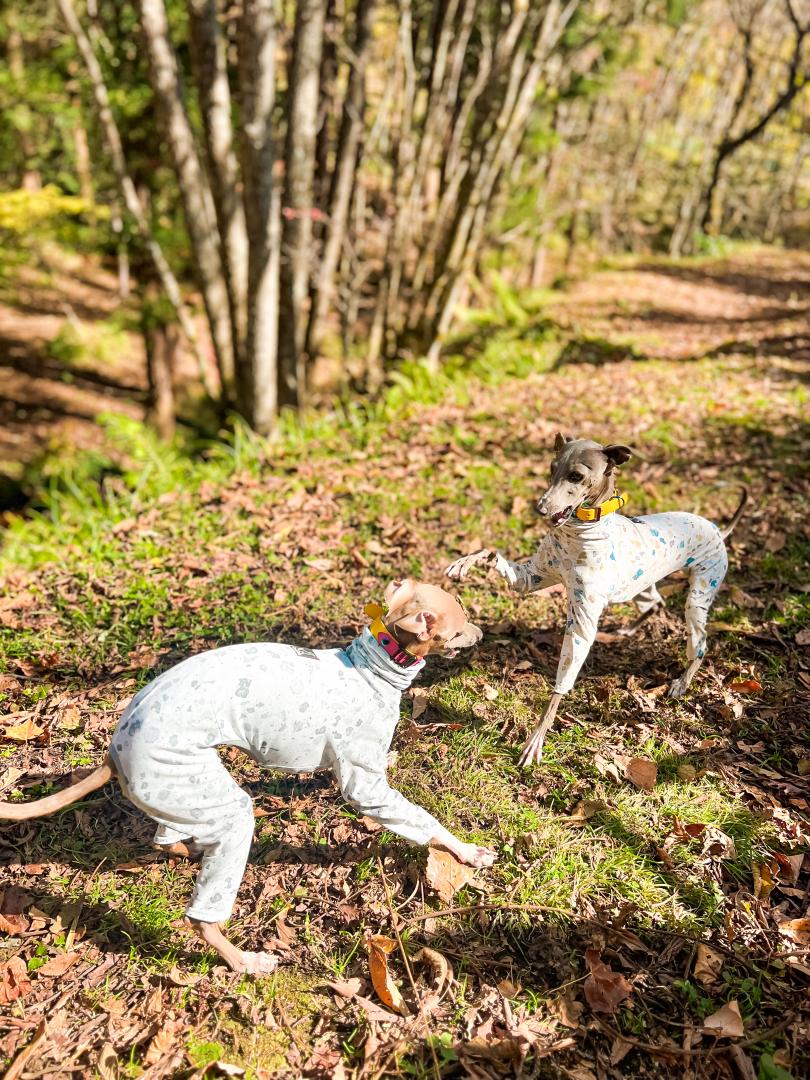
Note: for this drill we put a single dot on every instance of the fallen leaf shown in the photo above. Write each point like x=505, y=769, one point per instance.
x=797, y=930
x=606, y=768
x=13, y=924
x=177, y=977
x=446, y=875
x=347, y=988
x=320, y=564
x=489, y=691
x=584, y=811
x=24, y=732
x=379, y=948
x=803, y=636
x=165, y=1040
x=745, y=686
x=14, y=981
x=726, y=1023
x=803, y=768
x=763, y=874
x=619, y=1049
x=788, y=867
x=107, y=1062
x=420, y=699
x=567, y=1010
x=775, y=542
x=717, y=844
x=70, y=719
x=10, y=776
x=687, y=773
x=708, y=965
x=439, y=965
x=641, y=772
x=58, y=965
x=604, y=988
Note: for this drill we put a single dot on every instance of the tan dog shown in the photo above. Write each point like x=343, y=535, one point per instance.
x=293, y=709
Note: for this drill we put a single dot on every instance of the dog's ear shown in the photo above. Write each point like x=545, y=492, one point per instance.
x=560, y=440
x=616, y=454
x=468, y=635
x=399, y=592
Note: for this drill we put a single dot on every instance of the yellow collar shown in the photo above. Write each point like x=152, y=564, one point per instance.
x=596, y=513
x=386, y=640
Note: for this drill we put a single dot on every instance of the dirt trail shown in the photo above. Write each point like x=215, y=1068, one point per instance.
x=751, y=302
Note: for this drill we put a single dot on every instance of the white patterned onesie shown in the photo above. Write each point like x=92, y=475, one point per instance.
x=619, y=559
x=290, y=708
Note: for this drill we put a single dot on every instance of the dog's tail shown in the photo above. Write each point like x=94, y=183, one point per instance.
x=738, y=513
x=13, y=811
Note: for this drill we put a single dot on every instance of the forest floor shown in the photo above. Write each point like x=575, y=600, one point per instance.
x=648, y=913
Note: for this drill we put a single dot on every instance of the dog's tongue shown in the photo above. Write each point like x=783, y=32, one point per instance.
x=561, y=516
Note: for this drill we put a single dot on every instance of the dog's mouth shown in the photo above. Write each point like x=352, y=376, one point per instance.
x=561, y=516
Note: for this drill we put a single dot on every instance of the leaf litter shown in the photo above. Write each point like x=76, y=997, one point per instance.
x=505, y=982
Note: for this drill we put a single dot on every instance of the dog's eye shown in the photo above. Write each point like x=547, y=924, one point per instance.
x=575, y=477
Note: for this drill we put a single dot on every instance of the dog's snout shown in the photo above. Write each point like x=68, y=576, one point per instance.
x=540, y=506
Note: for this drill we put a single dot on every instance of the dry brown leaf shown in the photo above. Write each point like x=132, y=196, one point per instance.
x=726, y=1023
x=24, y=732
x=107, y=1062
x=803, y=768
x=14, y=981
x=70, y=718
x=320, y=564
x=619, y=1049
x=803, y=636
x=641, y=772
x=58, y=965
x=509, y=989
x=708, y=965
x=439, y=965
x=745, y=686
x=604, y=988
x=166, y=1039
x=379, y=948
x=347, y=988
x=489, y=691
x=567, y=1010
x=177, y=977
x=446, y=875
x=420, y=698
x=10, y=776
x=606, y=768
x=584, y=811
x=788, y=867
x=763, y=874
x=687, y=773
x=717, y=844
x=775, y=542
x=797, y=930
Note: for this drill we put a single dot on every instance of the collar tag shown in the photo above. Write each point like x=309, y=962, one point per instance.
x=596, y=513
x=374, y=611
x=386, y=640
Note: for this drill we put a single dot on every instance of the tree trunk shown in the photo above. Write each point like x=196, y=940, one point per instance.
x=132, y=202
x=258, y=374
x=194, y=190
x=30, y=179
x=211, y=78
x=299, y=160
x=160, y=341
x=351, y=130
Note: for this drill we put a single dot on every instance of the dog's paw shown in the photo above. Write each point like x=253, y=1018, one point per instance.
x=678, y=688
x=532, y=752
x=458, y=570
x=258, y=963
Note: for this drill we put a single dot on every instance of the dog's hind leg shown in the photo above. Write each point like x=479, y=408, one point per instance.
x=703, y=586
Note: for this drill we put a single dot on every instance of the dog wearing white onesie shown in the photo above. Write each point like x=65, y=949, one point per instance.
x=602, y=557
x=291, y=708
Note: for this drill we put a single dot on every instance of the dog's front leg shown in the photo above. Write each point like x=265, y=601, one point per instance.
x=247, y=963
x=523, y=577
x=533, y=750
x=584, y=610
